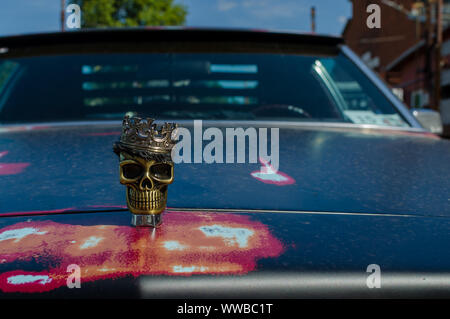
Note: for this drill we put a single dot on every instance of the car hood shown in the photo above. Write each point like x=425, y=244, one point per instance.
x=350, y=200
x=210, y=254
x=323, y=169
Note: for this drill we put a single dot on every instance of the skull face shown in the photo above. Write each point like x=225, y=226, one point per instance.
x=147, y=183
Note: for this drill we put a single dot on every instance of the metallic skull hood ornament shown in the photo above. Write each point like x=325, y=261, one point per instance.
x=146, y=167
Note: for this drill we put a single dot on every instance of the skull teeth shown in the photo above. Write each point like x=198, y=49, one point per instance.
x=146, y=200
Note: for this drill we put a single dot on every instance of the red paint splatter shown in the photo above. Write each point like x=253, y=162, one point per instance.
x=11, y=168
x=187, y=243
x=269, y=175
x=65, y=210
x=109, y=206
x=41, y=212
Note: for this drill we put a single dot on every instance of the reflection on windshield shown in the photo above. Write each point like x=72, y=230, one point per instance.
x=214, y=86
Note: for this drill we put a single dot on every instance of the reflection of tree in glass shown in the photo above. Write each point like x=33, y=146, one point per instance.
x=130, y=13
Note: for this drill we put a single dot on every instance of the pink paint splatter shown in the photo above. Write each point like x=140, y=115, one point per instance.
x=42, y=212
x=188, y=243
x=269, y=175
x=63, y=210
x=11, y=168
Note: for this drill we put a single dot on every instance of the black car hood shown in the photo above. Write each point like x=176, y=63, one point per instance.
x=206, y=254
x=346, y=170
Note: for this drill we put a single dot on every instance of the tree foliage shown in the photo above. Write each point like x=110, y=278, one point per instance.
x=130, y=13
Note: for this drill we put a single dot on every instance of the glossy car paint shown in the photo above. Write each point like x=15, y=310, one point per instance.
x=280, y=242
x=335, y=170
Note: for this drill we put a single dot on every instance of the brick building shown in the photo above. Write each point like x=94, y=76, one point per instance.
x=402, y=50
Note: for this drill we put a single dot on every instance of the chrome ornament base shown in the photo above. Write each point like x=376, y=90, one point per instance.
x=146, y=220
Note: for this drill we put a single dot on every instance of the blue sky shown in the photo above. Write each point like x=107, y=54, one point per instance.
x=31, y=16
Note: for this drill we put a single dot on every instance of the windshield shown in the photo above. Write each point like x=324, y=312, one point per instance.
x=208, y=86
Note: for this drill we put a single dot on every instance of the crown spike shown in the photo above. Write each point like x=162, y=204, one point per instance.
x=144, y=134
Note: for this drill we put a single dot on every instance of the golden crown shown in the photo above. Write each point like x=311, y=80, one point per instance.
x=143, y=134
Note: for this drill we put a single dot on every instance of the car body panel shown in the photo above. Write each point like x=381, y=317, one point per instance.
x=36, y=251
x=64, y=167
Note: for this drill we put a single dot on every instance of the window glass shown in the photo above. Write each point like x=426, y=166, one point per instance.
x=219, y=86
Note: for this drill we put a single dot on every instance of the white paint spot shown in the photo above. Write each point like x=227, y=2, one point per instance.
x=73, y=241
x=18, y=234
x=28, y=279
x=181, y=269
x=173, y=245
x=107, y=269
x=91, y=242
x=270, y=176
x=268, y=173
x=231, y=236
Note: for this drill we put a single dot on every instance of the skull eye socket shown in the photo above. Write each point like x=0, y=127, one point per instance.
x=131, y=171
x=161, y=171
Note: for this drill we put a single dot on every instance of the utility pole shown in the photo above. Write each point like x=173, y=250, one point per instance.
x=429, y=83
x=437, y=47
x=63, y=8
x=313, y=19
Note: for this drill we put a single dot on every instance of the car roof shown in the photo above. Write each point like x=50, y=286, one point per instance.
x=158, y=34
